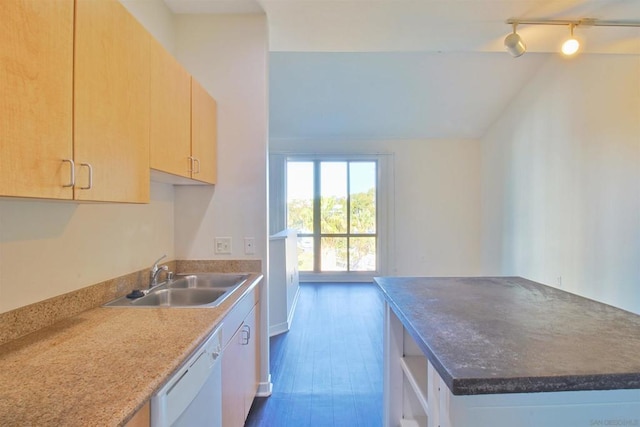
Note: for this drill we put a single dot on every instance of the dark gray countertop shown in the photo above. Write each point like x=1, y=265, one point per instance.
x=487, y=335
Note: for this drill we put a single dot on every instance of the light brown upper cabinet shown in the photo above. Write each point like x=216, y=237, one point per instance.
x=170, y=114
x=204, y=131
x=36, y=78
x=111, y=104
x=183, y=123
x=73, y=125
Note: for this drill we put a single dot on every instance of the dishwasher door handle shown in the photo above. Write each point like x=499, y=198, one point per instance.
x=177, y=382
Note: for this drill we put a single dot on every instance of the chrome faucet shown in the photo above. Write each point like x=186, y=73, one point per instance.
x=155, y=270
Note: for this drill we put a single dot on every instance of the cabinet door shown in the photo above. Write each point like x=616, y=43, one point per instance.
x=233, y=384
x=241, y=371
x=252, y=351
x=170, y=131
x=204, y=134
x=111, y=104
x=36, y=72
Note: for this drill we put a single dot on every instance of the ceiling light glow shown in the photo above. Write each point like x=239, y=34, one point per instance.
x=571, y=45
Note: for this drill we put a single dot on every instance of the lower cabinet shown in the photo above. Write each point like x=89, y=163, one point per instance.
x=240, y=363
x=252, y=368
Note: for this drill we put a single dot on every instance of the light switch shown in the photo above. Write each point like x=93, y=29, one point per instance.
x=222, y=245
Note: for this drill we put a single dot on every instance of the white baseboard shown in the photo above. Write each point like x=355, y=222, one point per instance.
x=265, y=389
x=293, y=308
x=280, y=328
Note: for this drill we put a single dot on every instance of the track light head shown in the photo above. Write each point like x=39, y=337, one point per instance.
x=571, y=45
x=514, y=44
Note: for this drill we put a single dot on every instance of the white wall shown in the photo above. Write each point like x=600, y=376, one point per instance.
x=157, y=19
x=48, y=248
x=227, y=54
x=561, y=180
x=434, y=227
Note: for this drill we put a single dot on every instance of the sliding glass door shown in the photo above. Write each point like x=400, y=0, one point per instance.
x=333, y=205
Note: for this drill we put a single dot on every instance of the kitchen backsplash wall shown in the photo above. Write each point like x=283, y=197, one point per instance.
x=32, y=317
x=219, y=266
x=49, y=248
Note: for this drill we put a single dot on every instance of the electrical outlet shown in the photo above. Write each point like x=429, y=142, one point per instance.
x=222, y=245
x=249, y=245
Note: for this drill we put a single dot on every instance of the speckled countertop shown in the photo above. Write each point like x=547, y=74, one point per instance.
x=512, y=335
x=101, y=366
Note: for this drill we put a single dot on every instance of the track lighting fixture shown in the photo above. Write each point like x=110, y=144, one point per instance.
x=514, y=44
x=571, y=45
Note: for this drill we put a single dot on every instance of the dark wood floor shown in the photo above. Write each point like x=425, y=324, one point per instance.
x=327, y=370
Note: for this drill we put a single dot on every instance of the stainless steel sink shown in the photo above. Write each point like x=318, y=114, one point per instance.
x=179, y=297
x=207, y=281
x=191, y=290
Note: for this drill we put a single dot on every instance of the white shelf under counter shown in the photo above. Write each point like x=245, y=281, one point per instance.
x=415, y=371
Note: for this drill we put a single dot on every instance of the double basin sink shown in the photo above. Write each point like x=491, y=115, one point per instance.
x=187, y=290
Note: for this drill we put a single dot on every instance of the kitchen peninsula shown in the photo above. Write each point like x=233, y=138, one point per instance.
x=497, y=351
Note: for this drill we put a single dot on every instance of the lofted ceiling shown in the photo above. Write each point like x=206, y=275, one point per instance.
x=410, y=68
x=391, y=95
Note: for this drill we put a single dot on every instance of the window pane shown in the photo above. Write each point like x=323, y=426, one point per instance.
x=362, y=186
x=362, y=254
x=334, y=253
x=333, y=197
x=305, y=253
x=300, y=196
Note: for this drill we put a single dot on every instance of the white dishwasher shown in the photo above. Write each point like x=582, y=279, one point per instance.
x=193, y=396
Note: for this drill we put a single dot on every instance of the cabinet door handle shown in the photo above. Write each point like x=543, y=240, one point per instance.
x=90, y=183
x=197, y=162
x=190, y=164
x=72, y=174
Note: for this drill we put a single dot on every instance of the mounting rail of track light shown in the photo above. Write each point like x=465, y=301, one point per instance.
x=514, y=44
